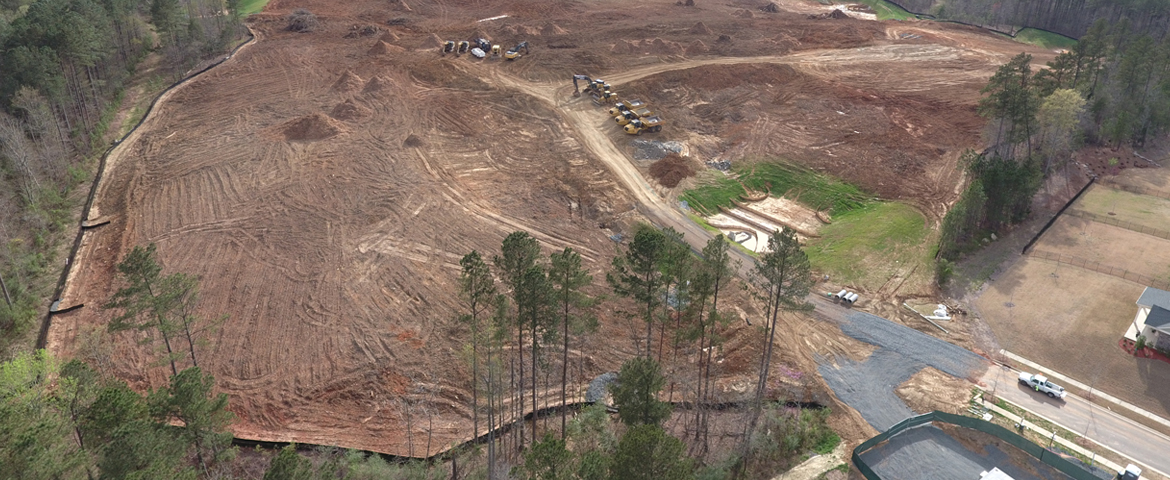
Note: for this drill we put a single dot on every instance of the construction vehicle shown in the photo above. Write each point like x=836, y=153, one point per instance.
x=483, y=44
x=448, y=47
x=626, y=106
x=650, y=124
x=631, y=115
x=1042, y=385
x=496, y=50
x=577, y=88
x=514, y=52
x=463, y=47
x=477, y=53
x=604, y=98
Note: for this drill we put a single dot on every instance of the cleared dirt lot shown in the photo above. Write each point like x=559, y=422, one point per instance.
x=324, y=185
x=1070, y=319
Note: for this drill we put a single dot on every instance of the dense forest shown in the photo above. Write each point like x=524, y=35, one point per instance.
x=1112, y=89
x=64, y=65
x=1071, y=18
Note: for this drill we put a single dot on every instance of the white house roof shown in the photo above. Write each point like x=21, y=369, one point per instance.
x=1152, y=296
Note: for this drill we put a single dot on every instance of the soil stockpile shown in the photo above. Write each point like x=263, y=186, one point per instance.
x=671, y=170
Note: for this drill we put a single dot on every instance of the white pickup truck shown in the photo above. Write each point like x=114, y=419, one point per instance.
x=1041, y=384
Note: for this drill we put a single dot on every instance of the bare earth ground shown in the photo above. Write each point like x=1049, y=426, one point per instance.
x=325, y=185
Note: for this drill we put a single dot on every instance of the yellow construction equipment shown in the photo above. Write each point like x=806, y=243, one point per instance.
x=514, y=52
x=650, y=124
x=496, y=50
x=463, y=47
x=448, y=47
x=626, y=106
x=631, y=115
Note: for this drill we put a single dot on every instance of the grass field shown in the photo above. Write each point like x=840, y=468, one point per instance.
x=866, y=247
x=1043, y=39
x=248, y=7
x=888, y=11
x=1070, y=319
x=1108, y=245
x=812, y=189
x=1143, y=210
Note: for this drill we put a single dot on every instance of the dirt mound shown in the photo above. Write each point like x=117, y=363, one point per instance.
x=349, y=82
x=401, y=6
x=835, y=14
x=671, y=170
x=432, y=41
x=771, y=7
x=664, y=47
x=725, y=38
x=552, y=29
x=412, y=141
x=701, y=29
x=349, y=110
x=383, y=48
x=390, y=37
x=697, y=48
x=743, y=13
x=309, y=128
x=378, y=84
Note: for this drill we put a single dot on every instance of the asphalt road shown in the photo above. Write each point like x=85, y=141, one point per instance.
x=1148, y=447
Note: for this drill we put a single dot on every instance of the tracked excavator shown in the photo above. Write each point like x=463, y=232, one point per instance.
x=577, y=87
x=514, y=52
x=463, y=47
x=448, y=47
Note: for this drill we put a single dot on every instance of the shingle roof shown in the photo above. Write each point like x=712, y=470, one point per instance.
x=1152, y=296
x=1158, y=318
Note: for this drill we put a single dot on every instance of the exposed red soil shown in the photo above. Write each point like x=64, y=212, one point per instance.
x=324, y=186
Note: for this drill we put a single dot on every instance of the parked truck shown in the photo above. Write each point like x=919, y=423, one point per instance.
x=1041, y=384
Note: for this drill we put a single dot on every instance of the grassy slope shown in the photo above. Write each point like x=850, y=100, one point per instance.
x=810, y=188
x=867, y=246
x=1044, y=39
x=888, y=11
x=248, y=7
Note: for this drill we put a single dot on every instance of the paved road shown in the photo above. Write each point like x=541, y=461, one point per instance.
x=1119, y=433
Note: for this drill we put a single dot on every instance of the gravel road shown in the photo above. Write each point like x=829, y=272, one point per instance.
x=902, y=351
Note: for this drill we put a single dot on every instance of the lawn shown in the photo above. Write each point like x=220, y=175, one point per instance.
x=888, y=11
x=868, y=246
x=1144, y=210
x=810, y=188
x=248, y=7
x=1043, y=39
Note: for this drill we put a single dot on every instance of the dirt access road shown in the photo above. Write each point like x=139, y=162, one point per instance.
x=324, y=186
x=1085, y=418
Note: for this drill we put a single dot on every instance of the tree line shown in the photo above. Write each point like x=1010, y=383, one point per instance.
x=1111, y=89
x=1072, y=18
x=64, y=65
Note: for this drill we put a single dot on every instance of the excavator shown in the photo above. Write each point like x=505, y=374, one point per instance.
x=577, y=88
x=514, y=52
x=650, y=124
x=448, y=47
x=463, y=47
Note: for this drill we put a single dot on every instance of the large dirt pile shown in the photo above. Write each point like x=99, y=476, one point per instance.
x=390, y=37
x=552, y=29
x=701, y=29
x=383, y=48
x=310, y=128
x=349, y=82
x=432, y=41
x=379, y=84
x=349, y=110
x=697, y=47
x=671, y=170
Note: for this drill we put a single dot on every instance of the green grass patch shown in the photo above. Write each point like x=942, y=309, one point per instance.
x=1043, y=39
x=827, y=443
x=868, y=246
x=813, y=189
x=248, y=7
x=888, y=11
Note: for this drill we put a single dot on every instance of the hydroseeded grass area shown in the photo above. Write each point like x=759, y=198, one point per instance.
x=1043, y=39
x=867, y=246
x=810, y=188
x=888, y=11
x=248, y=7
